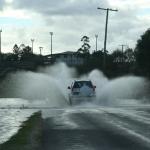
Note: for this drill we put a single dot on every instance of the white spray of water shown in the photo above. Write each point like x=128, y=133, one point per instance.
x=49, y=86
x=123, y=90
x=46, y=87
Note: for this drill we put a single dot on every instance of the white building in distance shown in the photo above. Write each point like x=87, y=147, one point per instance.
x=70, y=58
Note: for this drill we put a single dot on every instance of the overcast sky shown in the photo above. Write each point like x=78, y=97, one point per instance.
x=69, y=20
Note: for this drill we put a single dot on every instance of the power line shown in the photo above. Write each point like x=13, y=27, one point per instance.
x=32, y=40
x=51, y=34
x=41, y=48
x=122, y=49
x=96, y=36
x=106, y=26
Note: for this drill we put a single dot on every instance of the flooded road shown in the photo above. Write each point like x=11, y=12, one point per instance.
x=12, y=116
x=95, y=128
x=11, y=120
x=117, y=119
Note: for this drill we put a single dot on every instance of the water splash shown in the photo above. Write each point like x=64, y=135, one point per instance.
x=49, y=86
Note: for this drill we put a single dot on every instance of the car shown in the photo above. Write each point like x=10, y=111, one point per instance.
x=81, y=91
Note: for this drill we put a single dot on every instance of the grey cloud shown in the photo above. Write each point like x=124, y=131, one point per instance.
x=61, y=7
x=74, y=18
x=2, y=4
x=124, y=28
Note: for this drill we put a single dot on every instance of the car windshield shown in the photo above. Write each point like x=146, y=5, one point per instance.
x=79, y=84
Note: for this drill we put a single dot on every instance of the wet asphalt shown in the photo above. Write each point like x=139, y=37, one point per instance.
x=98, y=129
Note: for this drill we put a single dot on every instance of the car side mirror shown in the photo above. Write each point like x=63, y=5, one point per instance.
x=69, y=87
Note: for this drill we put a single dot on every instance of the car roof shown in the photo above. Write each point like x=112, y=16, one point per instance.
x=82, y=80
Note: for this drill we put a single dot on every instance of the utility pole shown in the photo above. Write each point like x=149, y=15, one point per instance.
x=96, y=36
x=32, y=40
x=51, y=33
x=41, y=48
x=106, y=26
x=0, y=41
x=122, y=49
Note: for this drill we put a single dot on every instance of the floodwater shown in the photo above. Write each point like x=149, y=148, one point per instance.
x=118, y=119
x=86, y=126
x=11, y=119
x=96, y=128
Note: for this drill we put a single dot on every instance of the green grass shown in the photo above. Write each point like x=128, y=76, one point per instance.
x=28, y=136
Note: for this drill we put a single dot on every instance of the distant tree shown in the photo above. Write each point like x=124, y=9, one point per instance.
x=142, y=52
x=16, y=49
x=27, y=50
x=85, y=46
x=15, y=55
x=22, y=52
x=98, y=54
x=129, y=55
x=117, y=56
x=21, y=47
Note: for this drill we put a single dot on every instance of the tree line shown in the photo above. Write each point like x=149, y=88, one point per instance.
x=21, y=58
x=131, y=61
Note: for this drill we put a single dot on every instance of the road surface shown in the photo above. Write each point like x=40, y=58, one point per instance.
x=98, y=128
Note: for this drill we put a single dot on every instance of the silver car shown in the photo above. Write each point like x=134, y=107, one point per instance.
x=81, y=91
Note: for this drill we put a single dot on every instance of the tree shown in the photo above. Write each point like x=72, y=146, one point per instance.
x=85, y=46
x=26, y=54
x=21, y=47
x=15, y=54
x=22, y=52
x=142, y=52
x=27, y=50
x=16, y=49
x=129, y=55
x=117, y=56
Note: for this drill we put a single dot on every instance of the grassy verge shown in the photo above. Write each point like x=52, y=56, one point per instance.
x=28, y=136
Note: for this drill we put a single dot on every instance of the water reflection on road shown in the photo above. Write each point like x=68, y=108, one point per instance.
x=87, y=128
